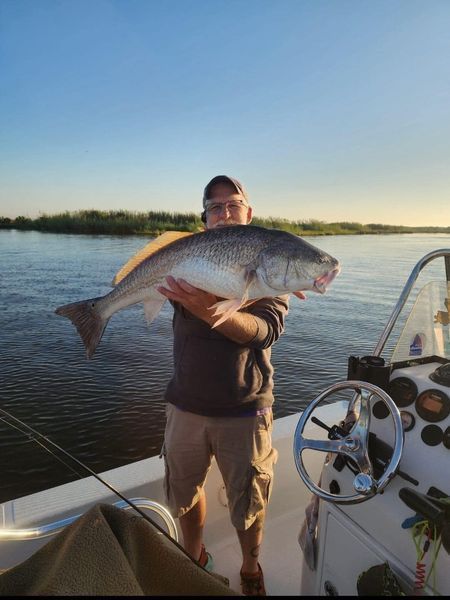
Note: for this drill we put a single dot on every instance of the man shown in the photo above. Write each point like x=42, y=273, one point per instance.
x=219, y=401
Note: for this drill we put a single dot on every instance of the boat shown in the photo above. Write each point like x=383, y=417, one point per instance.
x=360, y=503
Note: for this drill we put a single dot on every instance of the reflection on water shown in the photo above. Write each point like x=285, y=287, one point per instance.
x=109, y=411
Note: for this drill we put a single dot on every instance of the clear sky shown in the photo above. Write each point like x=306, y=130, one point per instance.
x=337, y=110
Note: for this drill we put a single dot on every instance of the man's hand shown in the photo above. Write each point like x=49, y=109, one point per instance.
x=196, y=301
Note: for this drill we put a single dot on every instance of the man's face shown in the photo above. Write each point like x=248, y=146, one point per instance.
x=226, y=207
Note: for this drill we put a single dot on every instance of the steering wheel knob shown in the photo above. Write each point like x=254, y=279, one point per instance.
x=364, y=484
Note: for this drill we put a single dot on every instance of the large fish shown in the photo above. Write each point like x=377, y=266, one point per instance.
x=240, y=263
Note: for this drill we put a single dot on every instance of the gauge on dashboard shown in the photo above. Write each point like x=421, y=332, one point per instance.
x=447, y=438
x=408, y=420
x=432, y=435
x=403, y=391
x=433, y=405
x=380, y=410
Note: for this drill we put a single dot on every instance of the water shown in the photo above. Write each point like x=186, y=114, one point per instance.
x=109, y=411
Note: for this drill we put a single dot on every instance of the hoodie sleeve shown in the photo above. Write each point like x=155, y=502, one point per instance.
x=270, y=314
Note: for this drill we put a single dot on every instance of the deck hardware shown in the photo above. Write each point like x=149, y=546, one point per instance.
x=42, y=531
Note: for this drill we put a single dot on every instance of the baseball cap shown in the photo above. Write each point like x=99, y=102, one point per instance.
x=224, y=179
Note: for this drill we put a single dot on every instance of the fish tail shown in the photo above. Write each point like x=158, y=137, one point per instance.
x=88, y=320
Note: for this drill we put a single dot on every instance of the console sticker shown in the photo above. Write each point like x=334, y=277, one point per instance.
x=417, y=345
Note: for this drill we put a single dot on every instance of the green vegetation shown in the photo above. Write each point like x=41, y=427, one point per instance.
x=106, y=222
x=156, y=222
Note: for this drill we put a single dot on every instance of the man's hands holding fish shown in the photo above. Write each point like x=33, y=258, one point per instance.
x=241, y=327
x=196, y=301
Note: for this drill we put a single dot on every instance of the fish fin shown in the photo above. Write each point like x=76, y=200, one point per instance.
x=88, y=320
x=250, y=302
x=225, y=309
x=300, y=295
x=162, y=240
x=152, y=308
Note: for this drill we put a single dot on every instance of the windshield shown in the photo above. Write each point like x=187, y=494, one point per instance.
x=426, y=332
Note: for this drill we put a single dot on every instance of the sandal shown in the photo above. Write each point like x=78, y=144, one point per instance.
x=253, y=583
x=206, y=560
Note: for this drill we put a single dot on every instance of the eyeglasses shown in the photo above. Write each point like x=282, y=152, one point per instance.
x=215, y=208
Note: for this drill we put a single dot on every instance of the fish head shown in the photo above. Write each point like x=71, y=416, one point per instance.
x=292, y=264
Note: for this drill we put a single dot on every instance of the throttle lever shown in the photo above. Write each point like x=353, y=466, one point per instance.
x=427, y=506
x=334, y=433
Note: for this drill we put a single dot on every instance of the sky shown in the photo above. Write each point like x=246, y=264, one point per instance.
x=337, y=110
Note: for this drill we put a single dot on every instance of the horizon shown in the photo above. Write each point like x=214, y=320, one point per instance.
x=328, y=111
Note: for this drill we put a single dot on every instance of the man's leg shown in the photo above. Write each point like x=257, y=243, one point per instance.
x=245, y=456
x=192, y=524
x=251, y=540
x=187, y=458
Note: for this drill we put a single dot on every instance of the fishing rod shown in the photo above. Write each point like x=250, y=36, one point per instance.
x=43, y=440
x=33, y=438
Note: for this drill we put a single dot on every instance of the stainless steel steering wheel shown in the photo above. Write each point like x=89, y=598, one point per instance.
x=353, y=445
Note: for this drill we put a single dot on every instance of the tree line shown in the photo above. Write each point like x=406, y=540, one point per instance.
x=122, y=222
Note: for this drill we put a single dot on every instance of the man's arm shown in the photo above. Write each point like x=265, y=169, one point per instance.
x=242, y=327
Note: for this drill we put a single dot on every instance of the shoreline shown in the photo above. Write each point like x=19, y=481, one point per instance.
x=154, y=223
x=160, y=232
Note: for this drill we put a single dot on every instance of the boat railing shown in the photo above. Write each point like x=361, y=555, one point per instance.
x=42, y=531
x=443, y=253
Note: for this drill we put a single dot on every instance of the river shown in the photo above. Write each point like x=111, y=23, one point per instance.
x=109, y=411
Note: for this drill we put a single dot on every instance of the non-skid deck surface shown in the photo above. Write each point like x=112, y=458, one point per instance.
x=280, y=556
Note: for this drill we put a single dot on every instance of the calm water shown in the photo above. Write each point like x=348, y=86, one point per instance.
x=109, y=411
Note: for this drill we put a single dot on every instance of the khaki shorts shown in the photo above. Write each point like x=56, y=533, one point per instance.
x=243, y=450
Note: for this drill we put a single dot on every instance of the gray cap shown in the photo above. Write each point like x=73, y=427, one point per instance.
x=224, y=179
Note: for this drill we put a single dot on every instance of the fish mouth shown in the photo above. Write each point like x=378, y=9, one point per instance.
x=322, y=282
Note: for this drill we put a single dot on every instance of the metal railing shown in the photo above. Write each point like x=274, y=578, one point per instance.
x=42, y=531
x=445, y=253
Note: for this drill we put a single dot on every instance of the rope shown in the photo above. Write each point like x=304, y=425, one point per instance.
x=424, y=530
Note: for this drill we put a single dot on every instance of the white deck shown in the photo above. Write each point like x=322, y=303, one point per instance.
x=282, y=577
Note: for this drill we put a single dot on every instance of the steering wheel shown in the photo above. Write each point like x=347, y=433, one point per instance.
x=352, y=445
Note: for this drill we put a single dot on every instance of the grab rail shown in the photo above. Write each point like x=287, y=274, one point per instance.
x=407, y=290
x=57, y=526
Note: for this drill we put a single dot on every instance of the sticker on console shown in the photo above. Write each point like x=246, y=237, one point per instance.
x=417, y=345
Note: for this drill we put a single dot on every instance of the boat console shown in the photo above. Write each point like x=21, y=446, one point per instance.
x=381, y=510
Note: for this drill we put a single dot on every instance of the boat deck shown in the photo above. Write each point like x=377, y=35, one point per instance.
x=281, y=577
x=281, y=555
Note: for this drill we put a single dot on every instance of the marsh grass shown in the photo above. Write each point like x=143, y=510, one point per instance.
x=123, y=222
x=107, y=222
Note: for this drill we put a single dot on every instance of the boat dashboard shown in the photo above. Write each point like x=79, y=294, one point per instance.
x=355, y=535
x=422, y=395
x=382, y=529
x=421, y=392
